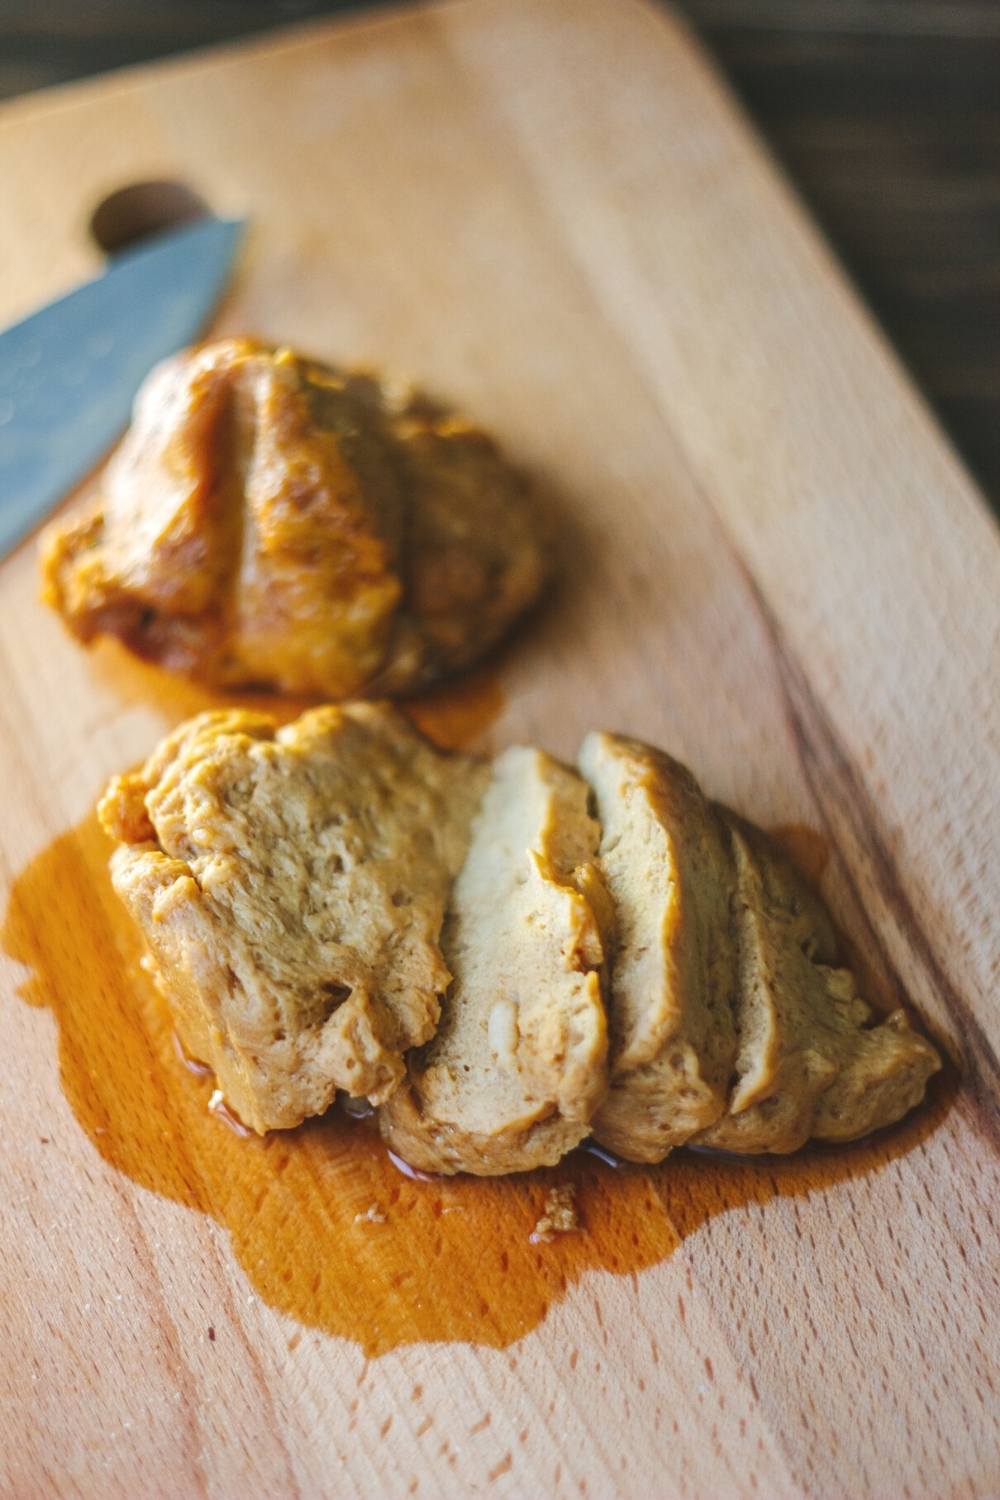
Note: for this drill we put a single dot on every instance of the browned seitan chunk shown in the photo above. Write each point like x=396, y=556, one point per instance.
x=517, y=1068
x=275, y=521
x=665, y=861
x=291, y=885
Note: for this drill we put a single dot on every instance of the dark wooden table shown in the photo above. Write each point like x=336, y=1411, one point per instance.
x=885, y=113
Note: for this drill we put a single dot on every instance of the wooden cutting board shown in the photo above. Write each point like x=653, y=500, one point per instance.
x=774, y=566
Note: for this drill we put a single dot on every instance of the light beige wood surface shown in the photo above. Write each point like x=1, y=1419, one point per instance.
x=552, y=212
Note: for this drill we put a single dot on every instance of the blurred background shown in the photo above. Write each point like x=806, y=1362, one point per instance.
x=885, y=113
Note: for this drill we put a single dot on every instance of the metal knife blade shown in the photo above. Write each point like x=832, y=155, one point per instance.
x=69, y=372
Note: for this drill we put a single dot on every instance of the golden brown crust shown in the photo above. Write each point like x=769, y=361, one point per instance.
x=270, y=520
x=291, y=885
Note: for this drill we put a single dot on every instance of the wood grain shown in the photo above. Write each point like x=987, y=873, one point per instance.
x=774, y=566
x=884, y=113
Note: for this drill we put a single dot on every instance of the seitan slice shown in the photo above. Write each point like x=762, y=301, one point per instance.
x=291, y=885
x=665, y=862
x=517, y=1068
x=810, y=1062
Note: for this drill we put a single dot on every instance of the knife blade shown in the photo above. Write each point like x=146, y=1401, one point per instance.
x=69, y=372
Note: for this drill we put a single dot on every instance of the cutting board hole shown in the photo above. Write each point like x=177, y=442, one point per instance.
x=141, y=210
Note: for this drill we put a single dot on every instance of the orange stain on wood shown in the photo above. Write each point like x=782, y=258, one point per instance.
x=806, y=849
x=459, y=715
x=137, y=682
x=326, y=1229
x=455, y=716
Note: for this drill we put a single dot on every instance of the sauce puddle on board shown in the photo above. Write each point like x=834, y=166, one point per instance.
x=325, y=1227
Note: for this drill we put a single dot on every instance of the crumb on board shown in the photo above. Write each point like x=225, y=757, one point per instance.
x=373, y=1214
x=559, y=1216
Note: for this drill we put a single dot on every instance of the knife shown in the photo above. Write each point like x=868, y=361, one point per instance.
x=69, y=372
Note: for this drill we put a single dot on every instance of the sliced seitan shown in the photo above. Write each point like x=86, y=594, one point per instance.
x=810, y=1062
x=315, y=898
x=517, y=1068
x=291, y=885
x=665, y=861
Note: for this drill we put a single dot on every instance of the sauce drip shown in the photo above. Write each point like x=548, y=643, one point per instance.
x=199, y=1069
x=325, y=1227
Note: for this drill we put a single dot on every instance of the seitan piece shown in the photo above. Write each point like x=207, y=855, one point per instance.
x=273, y=521
x=665, y=860
x=291, y=885
x=559, y=1216
x=517, y=1068
x=811, y=1064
